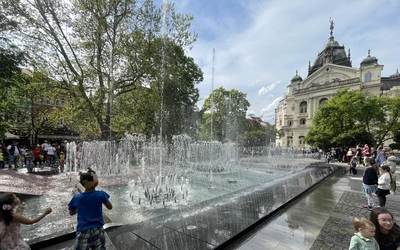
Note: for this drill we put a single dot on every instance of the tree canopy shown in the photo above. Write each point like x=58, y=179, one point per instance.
x=351, y=118
x=224, y=115
x=105, y=47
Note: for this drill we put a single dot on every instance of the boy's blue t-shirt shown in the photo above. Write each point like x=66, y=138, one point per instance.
x=90, y=209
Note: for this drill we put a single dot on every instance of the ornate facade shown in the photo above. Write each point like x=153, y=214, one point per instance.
x=331, y=71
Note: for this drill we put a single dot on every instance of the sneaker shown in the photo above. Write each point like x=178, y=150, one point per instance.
x=368, y=206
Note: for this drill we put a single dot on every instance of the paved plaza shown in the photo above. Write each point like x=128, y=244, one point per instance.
x=318, y=219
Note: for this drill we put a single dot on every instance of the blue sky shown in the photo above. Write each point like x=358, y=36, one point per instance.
x=260, y=44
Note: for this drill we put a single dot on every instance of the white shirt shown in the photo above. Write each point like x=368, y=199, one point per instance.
x=384, y=181
x=51, y=150
x=16, y=151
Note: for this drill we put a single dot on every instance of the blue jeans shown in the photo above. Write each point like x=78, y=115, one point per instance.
x=29, y=165
x=13, y=159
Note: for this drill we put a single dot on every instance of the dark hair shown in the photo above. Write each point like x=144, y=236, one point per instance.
x=395, y=231
x=6, y=215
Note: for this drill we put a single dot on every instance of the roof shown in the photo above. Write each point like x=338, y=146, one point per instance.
x=388, y=83
x=331, y=53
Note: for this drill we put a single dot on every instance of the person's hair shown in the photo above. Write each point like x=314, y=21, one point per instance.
x=6, y=214
x=362, y=223
x=370, y=160
x=88, y=179
x=374, y=218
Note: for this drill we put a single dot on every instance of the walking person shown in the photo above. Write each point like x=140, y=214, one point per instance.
x=383, y=184
x=370, y=182
x=88, y=206
x=10, y=222
x=364, y=238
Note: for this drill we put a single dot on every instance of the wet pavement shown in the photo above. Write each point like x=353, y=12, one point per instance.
x=319, y=219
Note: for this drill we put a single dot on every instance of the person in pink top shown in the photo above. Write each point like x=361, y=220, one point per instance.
x=10, y=222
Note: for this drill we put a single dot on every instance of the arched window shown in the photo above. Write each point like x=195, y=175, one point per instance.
x=301, y=140
x=280, y=122
x=62, y=102
x=322, y=101
x=294, y=91
x=290, y=123
x=302, y=121
x=303, y=107
x=368, y=77
x=48, y=101
x=57, y=102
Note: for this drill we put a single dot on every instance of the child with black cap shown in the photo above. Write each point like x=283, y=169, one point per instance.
x=88, y=206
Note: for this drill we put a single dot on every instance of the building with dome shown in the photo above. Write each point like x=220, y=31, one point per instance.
x=331, y=71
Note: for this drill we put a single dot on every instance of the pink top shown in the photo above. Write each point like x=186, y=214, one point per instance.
x=10, y=237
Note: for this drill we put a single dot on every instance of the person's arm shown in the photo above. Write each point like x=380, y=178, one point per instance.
x=353, y=244
x=108, y=205
x=26, y=221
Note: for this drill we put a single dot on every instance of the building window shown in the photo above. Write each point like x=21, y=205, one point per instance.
x=294, y=91
x=57, y=102
x=60, y=123
x=62, y=102
x=290, y=123
x=302, y=121
x=301, y=140
x=322, y=101
x=48, y=101
x=368, y=77
x=280, y=122
x=303, y=107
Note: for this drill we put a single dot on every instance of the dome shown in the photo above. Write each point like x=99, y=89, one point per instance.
x=396, y=75
x=331, y=53
x=297, y=78
x=370, y=60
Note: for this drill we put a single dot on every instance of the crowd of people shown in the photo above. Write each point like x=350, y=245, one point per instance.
x=380, y=231
x=16, y=156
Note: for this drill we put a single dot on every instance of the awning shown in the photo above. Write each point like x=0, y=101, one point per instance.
x=11, y=136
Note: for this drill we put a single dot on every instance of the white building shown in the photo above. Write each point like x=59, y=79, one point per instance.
x=331, y=71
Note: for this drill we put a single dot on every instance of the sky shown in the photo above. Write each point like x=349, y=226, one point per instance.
x=259, y=44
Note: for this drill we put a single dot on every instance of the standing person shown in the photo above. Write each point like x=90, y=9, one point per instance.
x=88, y=205
x=10, y=222
x=51, y=153
x=353, y=165
x=62, y=160
x=29, y=159
x=349, y=154
x=1, y=158
x=373, y=152
x=13, y=154
x=387, y=232
x=366, y=153
x=370, y=182
x=45, y=147
x=36, y=156
x=392, y=162
x=383, y=184
x=358, y=153
x=382, y=156
x=364, y=238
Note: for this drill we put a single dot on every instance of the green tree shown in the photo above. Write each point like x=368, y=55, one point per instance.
x=351, y=118
x=105, y=45
x=224, y=115
x=10, y=82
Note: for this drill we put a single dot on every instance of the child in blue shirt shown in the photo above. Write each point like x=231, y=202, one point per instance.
x=88, y=206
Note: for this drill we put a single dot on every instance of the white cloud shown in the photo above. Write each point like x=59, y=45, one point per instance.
x=265, y=90
x=273, y=39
